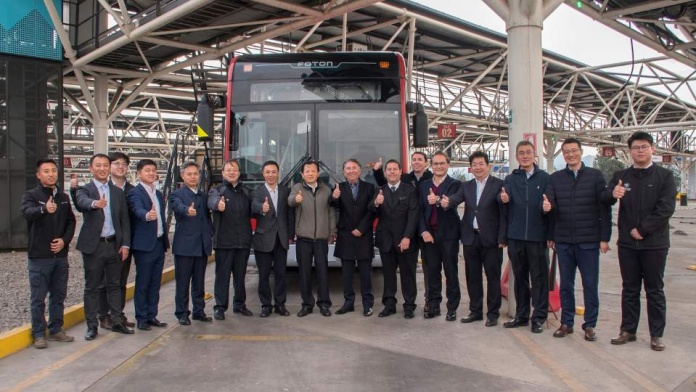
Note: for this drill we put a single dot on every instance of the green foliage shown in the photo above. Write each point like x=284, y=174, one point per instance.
x=607, y=166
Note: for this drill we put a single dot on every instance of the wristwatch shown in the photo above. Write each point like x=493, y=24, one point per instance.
x=437, y=201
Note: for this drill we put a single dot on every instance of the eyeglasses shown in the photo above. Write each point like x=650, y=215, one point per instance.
x=573, y=151
x=642, y=147
x=524, y=153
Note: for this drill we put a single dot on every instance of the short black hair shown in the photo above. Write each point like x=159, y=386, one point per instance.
x=145, y=162
x=393, y=161
x=440, y=153
x=44, y=161
x=115, y=156
x=478, y=154
x=188, y=164
x=307, y=163
x=420, y=153
x=99, y=155
x=268, y=163
x=232, y=162
x=640, y=135
x=571, y=140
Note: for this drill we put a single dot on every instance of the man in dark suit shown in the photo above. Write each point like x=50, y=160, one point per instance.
x=439, y=229
x=192, y=244
x=483, y=234
x=275, y=226
x=104, y=241
x=396, y=207
x=354, y=241
x=150, y=242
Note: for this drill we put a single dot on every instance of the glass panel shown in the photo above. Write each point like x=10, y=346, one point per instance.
x=315, y=90
x=358, y=133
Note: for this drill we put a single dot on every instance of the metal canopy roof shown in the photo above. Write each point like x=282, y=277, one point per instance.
x=461, y=68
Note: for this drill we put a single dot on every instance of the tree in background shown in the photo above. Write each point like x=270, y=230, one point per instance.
x=608, y=166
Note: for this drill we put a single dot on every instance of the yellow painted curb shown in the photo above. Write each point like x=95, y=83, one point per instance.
x=20, y=338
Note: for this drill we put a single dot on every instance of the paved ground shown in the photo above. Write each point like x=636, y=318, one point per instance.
x=354, y=353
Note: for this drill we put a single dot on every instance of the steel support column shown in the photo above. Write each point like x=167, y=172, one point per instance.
x=101, y=124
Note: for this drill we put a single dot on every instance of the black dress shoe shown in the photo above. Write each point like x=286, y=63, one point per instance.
x=537, y=327
x=185, y=320
x=514, y=323
x=345, y=309
x=243, y=311
x=219, y=314
x=120, y=328
x=325, y=312
x=491, y=322
x=203, y=317
x=156, y=323
x=265, y=312
x=432, y=313
x=471, y=318
x=280, y=309
x=451, y=315
x=127, y=323
x=408, y=314
x=144, y=326
x=304, y=311
x=367, y=312
x=386, y=312
x=106, y=322
x=91, y=333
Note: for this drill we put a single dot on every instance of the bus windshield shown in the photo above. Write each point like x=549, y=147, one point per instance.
x=327, y=132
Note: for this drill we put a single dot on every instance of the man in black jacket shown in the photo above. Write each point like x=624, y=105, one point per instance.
x=231, y=207
x=580, y=228
x=647, y=193
x=51, y=226
x=527, y=235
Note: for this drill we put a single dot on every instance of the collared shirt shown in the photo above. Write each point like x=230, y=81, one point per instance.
x=394, y=187
x=479, y=190
x=152, y=192
x=354, y=189
x=274, y=196
x=108, y=228
x=194, y=190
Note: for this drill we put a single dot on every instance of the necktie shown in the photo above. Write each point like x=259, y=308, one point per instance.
x=354, y=189
x=393, y=189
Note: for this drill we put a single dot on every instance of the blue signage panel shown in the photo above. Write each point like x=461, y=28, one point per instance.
x=26, y=29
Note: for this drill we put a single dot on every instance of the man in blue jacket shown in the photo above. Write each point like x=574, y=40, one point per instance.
x=51, y=226
x=439, y=229
x=580, y=228
x=192, y=244
x=150, y=242
x=527, y=237
x=647, y=202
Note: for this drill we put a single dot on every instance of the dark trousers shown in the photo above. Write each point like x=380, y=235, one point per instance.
x=443, y=255
x=583, y=257
x=103, y=266
x=365, y=269
x=306, y=251
x=47, y=276
x=529, y=260
x=407, y=263
x=189, y=272
x=477, y=259
x=232, y=261
x=276, y=261
x=420, y=248
x=148, y=277
x=648, y=267
x=103, y=302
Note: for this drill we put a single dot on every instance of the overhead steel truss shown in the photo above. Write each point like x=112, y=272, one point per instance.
x=151, y=57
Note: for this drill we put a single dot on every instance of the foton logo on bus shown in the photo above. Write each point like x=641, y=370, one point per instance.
x=315, y=64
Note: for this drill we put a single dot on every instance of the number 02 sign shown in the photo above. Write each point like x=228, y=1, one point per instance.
x=447, y=131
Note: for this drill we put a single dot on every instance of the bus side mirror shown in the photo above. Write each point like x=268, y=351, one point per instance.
x=420, y=130
x=204, y=118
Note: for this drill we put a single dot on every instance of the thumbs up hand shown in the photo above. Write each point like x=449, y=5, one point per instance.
x=298, y=197
x=432, y=197
x=265, y=207
x=379, y=199
x=377, y=165
x=444, y=201
x=73, y=182
x=51, y=207
x=504, y=196
x=336, y=192
x=101, y=203
x=221, y=204
x=619, y=190
x=191, y=210
x=546, y=204
x=152, y=214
